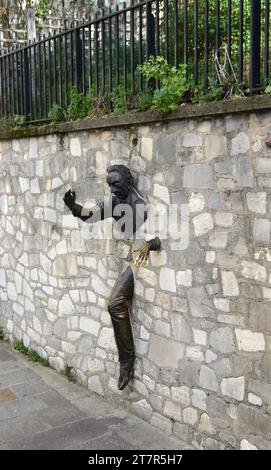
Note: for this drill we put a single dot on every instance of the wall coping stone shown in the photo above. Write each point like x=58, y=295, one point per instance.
x=186, y=111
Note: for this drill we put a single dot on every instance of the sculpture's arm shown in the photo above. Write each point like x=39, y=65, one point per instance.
x=95, y=214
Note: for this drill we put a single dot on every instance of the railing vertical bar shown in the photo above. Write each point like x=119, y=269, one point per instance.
x=124, y=19
x=140, y=52
x=255, y=44
x=72, y=59
x=196, y=42
x=55, y=73
x=110, y=53
x=185, y=45
x=40, y=83
x=132, y=46
x=13, y=83
x=97, y=57
x=229, y=32
x=206, y=44
x=22, y=83
x=50, y=73
x=166, y=15
x=117, y=50
x=176, y=19
x=103, y=56
x=45, y=82
x=66, y=88
x=84, y=88
x=241, y=42
x=2, y=87
x=90, y=57
x=217, y=29
x=266, y=40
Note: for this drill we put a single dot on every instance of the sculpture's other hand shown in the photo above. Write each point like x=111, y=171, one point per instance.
x=70, y=198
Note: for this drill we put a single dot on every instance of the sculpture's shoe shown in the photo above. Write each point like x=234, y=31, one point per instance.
x=126, y=373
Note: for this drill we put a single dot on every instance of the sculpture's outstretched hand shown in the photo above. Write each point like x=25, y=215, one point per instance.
x=69, y=198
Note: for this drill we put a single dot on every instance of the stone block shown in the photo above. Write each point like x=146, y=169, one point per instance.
x=245, y=174
x=181, y=328
x=234, y=387
x=200, y=305
x=256, y=202
x=218, y=239
x=229, y=284
x=199, y=399
x=221, y=340
x=261, y=232
x=94, y=385
x=249, y=341
x=173, y=411
x=208, y=379
x=192, y=140
x=240, y=144
x=252, y=270
x=196, y=202
x=165, y=353
x=181, y=395
x=203, y=223
x=215, y=146
x=190, y=416
x=161, y=192
x=167, y=280
x=142, y=409
x=198, y=176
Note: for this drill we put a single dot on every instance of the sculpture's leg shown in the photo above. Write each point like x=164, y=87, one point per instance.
x=119, y=306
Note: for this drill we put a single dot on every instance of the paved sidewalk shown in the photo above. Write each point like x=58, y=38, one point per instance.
x=40, y=409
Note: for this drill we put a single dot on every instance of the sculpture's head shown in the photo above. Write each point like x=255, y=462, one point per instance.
x=120, y=180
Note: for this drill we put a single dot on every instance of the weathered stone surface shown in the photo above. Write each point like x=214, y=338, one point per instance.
x=165, y=353
x=207, y=378
x=142, y=409
x=252, y=270
x=167, y=280
x=245, y=172
x=221, y=340
x=203, y=223
x=256, y=202
x=229, y=284
x=198, y=176
x=249, y=341
x=234, y=387
x=172, y=410
x=200, y=305
x=240, y=144
x=246, y=445
x=180, y=328
x=261, y=232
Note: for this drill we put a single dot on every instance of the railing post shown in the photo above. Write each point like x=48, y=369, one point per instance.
x=27, y=85
x=150, y=31
x=255, y=44
x=79, y=62
x=150, y=39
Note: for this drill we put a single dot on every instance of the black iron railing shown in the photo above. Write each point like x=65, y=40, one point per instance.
x=104, y=53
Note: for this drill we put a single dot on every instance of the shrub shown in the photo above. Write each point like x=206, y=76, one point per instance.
x=57, y=113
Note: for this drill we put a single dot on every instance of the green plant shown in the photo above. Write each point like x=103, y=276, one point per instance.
x=142, y=102
x=268, y=88
x=80, y=105
x=121, y=100
x=2, y=333
x=69, y=373
x=173, y=83
x=30, y=353
x=57, y=113
x=19, y=120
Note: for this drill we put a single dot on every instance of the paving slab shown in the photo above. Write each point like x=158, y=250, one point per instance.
x=42, y=410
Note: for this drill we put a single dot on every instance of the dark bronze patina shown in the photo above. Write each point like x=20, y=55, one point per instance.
x=121, y=183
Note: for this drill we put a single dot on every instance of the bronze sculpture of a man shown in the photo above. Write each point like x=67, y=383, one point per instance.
x=123, y=193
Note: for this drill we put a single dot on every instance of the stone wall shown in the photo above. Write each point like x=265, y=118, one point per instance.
x=203, y=340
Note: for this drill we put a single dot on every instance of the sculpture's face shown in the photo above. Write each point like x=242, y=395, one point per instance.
x=118, y=184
